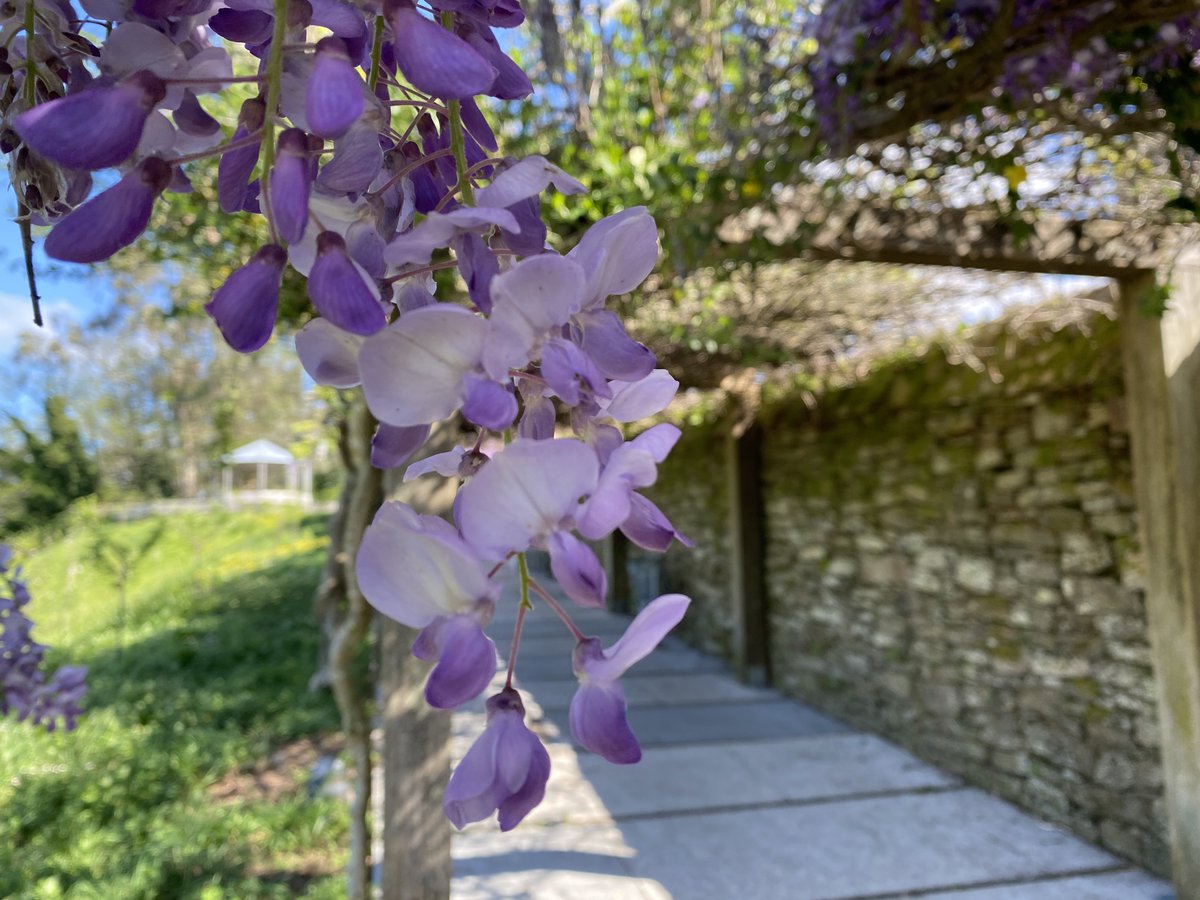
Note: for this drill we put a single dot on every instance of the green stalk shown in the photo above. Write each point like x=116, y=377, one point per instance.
x=274, y=88
x=458, y=142
x=376, y=54
x=523, y=568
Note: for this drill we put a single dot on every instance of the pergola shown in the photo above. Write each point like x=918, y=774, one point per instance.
x=1161, y=359
x=262, y=454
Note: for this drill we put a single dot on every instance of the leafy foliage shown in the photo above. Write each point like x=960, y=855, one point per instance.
x=196, y=692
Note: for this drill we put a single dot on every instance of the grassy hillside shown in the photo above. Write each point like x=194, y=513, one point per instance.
x=201, y=672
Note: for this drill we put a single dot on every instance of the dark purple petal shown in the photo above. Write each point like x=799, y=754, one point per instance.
x=244, y=306
x=164, y=9
x=649, y=528
x=531, y=793
x=345, y=21
x=393, y=445
x=357, y=159
x=531, y=239
x=478, y=265
x=599, y=723
x=427, y=189
x=243, y=26
x=615, y=353
x=111, y=220
x=191, y=117
x=95, y=128
x=466, y=663
x=576, y=568
x=511, y=82
x=497, y=13
x=236, y=166
x=488, y=404
x=338, y=290
x=437, y=62
x=335, y=91
x=475, y=123
x=570, y=373
x=291, y=180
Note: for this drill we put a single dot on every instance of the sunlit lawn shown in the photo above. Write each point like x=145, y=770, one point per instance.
x=208, y=674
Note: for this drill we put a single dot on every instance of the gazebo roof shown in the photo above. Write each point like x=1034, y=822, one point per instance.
x=260, y=451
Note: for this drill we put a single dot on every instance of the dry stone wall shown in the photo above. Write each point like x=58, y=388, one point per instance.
x=952, y=561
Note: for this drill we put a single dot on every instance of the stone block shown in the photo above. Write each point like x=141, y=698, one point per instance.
x=1085, y=554
x=975, y=573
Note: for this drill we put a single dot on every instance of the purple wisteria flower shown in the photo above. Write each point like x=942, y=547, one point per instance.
x=24, y=688
x=598, y=709
x=505, y=770
x=244, y=306
x=335, y=97
x=418, y=570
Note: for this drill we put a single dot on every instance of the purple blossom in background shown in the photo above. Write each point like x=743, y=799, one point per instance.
x=24, y=689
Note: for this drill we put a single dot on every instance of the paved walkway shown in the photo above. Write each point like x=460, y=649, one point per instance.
x=745, y=795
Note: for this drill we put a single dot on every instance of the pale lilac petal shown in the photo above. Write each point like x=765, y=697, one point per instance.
x=527, y=178
x=649, y=528
x=392, y=446
x=639, y=399
x=134, y=47
x=472, y=794
x=94, y=128
x=530, y=299
x=328, y=354
x=627, y=467
x=514, y=752
x=657, y=441
x=291, y=181
x=617, y=253
x=488, y=404
x=110, y=220
x=644, y=633
x=210, y=63
x=335, y=91
x=413, y=573
x=413, y=370
x=340, y=290
x=417, y=246
x=616, y=354
x=578, y=571
x=538, y=420
x=357, y=160
x=366, y=248
x=599, y=723
x=435, y=61
x=445, y=464
x=524, y=493
x=466, y=664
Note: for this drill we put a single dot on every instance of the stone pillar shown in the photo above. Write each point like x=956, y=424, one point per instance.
x=747, y=553
x=1162, y=375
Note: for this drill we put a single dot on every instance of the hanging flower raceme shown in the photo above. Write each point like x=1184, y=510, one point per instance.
x=368, y=186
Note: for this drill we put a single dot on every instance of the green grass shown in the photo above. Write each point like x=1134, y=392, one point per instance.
x=205, y=672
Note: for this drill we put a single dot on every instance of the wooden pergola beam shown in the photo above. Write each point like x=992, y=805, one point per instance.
x=1162, y=377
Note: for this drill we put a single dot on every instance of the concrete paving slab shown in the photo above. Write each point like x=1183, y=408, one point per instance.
x=703, y=723
x=556, y=863
x=712, y=687
x=854, y=848
x=1128, y=885
x=672, y=779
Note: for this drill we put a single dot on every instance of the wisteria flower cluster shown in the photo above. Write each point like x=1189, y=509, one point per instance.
x=366, y=151
x=24, y=689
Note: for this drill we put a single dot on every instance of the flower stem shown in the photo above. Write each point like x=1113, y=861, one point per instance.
x=523, y=568
x=274, y=88
x=376, y=54
x=516, y=644
x=458, y=142
x=557, y=607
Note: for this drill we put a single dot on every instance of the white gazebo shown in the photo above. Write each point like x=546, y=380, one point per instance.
x=262, y=454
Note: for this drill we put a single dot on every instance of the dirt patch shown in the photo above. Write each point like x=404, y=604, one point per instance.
x=284, y=772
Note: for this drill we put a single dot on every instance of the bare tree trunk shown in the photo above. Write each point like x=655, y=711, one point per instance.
x=346, y=618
